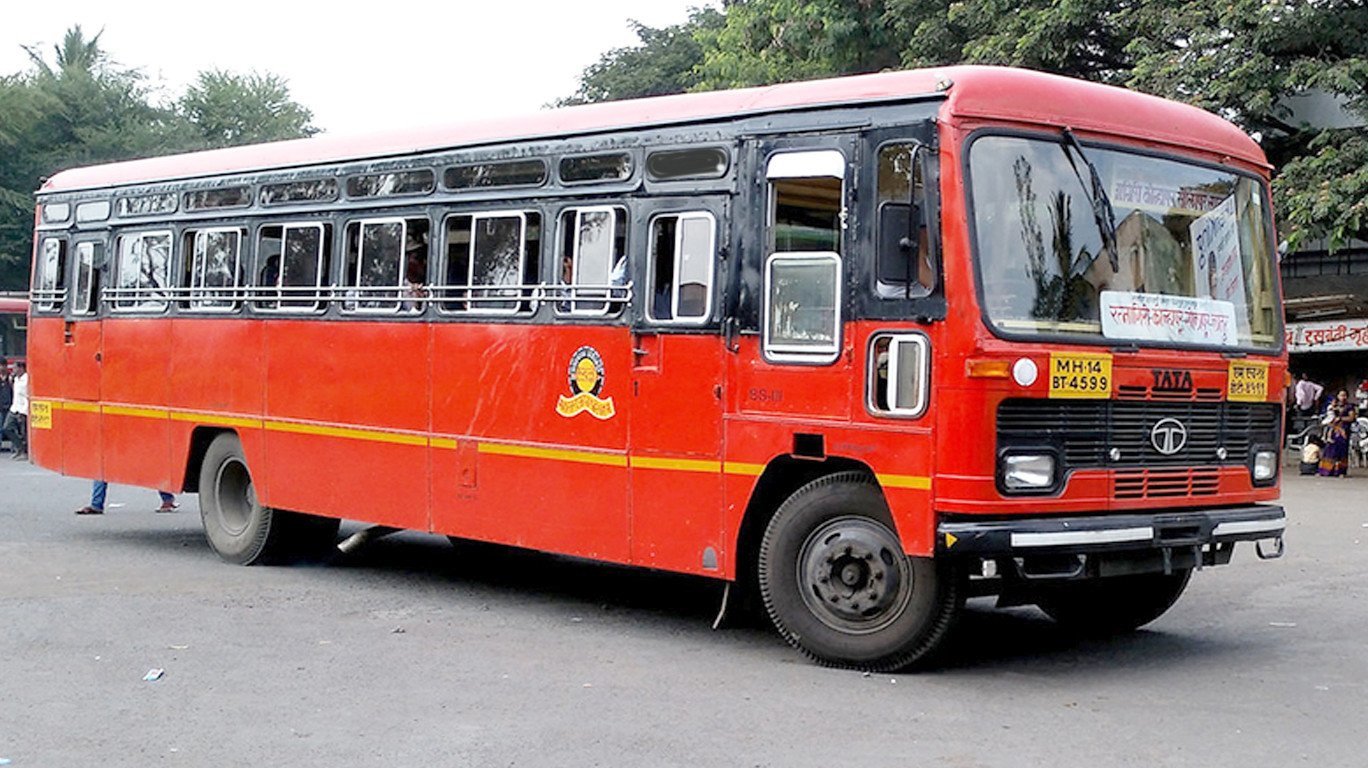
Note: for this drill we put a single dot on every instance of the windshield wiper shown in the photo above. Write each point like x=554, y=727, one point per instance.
x=1097, y=198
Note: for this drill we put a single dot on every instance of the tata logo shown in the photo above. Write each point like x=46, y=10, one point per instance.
x=1166, y=380
x=1168, y=436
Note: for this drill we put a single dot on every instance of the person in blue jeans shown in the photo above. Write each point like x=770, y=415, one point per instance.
x=97, y=500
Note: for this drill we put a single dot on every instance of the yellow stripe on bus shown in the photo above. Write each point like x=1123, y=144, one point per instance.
x=742, y=468
x=561, y=454
x=347, y=432
x=678, y=465
x=736, y=468
x=915, y=482
x=217, y=419
x=129, y=410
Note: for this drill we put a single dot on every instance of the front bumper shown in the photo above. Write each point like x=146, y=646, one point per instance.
x=1164, y=531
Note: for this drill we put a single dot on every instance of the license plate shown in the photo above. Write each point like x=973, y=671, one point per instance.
x=1248, y=382
x=1080, y=375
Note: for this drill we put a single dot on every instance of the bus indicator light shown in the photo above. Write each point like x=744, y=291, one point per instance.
x=988, y=369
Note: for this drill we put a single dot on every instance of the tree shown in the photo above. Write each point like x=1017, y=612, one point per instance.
x=228, y=109
x=664, y=62
x=79, y=107
x=775, y=41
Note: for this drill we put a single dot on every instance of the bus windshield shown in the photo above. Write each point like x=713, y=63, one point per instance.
x=1192, y=265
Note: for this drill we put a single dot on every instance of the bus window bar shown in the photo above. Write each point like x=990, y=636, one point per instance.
x=488, y=298
x=48, y=298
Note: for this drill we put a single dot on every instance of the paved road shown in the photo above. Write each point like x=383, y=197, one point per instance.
x=416, y=654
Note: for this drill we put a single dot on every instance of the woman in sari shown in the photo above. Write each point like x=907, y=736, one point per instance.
x=1335, y=456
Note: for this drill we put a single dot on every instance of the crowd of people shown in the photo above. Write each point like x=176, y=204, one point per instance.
x=1333, y=422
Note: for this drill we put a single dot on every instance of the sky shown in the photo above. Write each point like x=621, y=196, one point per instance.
x=359, y=67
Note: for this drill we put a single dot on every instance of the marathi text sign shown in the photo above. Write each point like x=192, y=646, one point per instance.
x=1328, y=336
x=1159, y=317
x=1218, y=270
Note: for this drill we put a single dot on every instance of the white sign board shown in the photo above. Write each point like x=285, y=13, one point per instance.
x=1159, y=317
x=1217, y=270
x=1328, y=336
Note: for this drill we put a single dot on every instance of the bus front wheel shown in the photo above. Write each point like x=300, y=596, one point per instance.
x=839, y=588
x=242, y=530
x=1113, y=605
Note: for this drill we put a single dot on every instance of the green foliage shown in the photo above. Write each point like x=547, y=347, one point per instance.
x=1078, y=38
x=79, y=107
x=664, y=62
x=774, y=41
x=230, y=109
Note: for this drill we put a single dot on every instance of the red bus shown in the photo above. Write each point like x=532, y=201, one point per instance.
x=862, y=348
x=13, y=327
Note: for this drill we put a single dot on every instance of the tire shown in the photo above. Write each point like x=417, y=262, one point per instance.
x=1114, y=605
x=838, y=587
x=239, y=528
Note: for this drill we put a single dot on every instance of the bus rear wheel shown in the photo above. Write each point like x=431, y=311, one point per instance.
x=238, y=527
x=838, y=587
x=1113, y=605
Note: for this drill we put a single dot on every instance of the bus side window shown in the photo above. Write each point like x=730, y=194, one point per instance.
x=906, y=266
x=291, y=264
x=50, y=289
x=682, y=258
x=491, y=249
x=593, y=260
x=803, y=272
x=213, y=270
x=87, y=278
x=142, y=272
x=377, y=262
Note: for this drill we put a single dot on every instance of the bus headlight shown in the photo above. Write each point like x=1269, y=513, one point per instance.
x=1265, y=466
x=1027, y=471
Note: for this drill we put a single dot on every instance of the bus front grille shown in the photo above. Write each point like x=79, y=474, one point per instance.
x=1091, y=434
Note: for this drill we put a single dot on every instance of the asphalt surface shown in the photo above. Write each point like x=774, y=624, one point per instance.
x=414, y=653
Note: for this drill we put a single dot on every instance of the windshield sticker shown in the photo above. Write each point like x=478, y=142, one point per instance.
x=586, y=381
x=1191, y=201
x=1217, y=270
x=1158, y=317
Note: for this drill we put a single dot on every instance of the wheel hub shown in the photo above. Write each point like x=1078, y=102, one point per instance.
x=854, y=574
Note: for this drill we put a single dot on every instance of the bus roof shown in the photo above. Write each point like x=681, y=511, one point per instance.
x=973, y=92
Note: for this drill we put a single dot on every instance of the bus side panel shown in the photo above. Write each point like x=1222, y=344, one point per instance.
x=46, y=379
x=217, y=372
x=80, y=423
x=134, y=385
x=676, y=444
x=218, y=366
x=365, y=460
x=517, y=462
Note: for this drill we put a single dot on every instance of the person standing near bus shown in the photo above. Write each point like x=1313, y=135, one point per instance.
x=1308, y=394
x=99, y=489
x=1335, y=456
x=6, y=389
x=16, y=420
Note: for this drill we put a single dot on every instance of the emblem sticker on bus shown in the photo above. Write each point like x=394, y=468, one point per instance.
x=585, y=376
x=1248, y=382
x=1080, y=375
